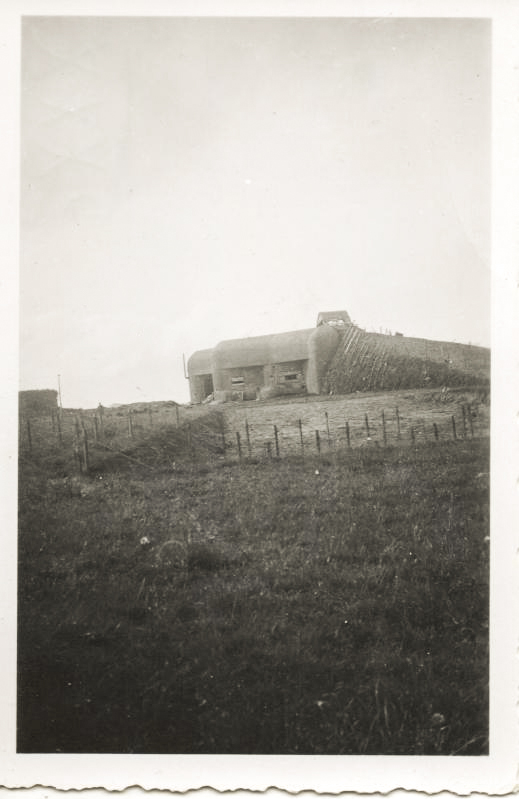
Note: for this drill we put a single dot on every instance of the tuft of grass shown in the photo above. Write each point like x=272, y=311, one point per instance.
x=205, y=558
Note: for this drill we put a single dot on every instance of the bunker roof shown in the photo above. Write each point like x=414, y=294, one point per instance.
x=260, y=350
x=200, y=363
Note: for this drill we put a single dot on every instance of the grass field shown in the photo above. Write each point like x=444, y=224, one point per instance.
x=333, y=605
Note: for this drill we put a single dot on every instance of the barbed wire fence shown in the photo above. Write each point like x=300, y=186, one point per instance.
x=90, y=434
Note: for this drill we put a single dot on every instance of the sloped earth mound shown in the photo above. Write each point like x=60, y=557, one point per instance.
x=374, y=362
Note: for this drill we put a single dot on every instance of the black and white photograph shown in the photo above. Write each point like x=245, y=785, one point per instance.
x=258, y=431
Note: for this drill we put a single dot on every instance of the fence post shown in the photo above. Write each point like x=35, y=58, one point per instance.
x=464, y=415
x=348, y=433
x=328, y=429
x=101, y=421
x=276, y=439
x=81, y=445
x=469, y=410
x=301, y=438
x=435, y=428
x=367, y=424
x=412, y=435
x=384, y=428
x=247, y=434
x=238, y=441
x=84, y=447
x=130, y=423
x=318, y=441
x=454, y=428
x=269, y=449
x=398, y=434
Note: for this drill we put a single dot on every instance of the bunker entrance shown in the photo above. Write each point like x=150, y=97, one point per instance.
x=207, y=385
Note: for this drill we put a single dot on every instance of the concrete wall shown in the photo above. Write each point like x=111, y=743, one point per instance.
x=284, y=379
x=322, y=346
x=200, y=387
x=238, y=382
x=200, y=372
x=253, y=382
x=261, y=366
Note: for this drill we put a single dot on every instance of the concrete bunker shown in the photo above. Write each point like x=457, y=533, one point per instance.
x=260, y=367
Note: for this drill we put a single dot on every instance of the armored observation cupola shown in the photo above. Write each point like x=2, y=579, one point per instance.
x=334, y=318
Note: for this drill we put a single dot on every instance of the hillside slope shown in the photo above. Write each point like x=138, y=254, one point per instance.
x=376, y=362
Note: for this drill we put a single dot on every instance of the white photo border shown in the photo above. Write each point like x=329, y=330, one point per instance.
x=496, y=773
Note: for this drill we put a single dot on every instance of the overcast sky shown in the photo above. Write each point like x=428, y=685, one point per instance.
x=186, y=181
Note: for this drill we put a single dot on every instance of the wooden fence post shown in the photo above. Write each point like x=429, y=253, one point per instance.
x=130, y=423
x=398, y=434
x=367, y=424
x=454, y=428
x=435, y=428
x=301, y=438
x=348, y=433
x=464, y=415
x=269, y=449
x=77, y=448
x=318, y=441
x=247, y=435
x=81, y=445
x=469, y=409
x=276, y=439
x=412, y=435
x=238, y=441
x=328, y=429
